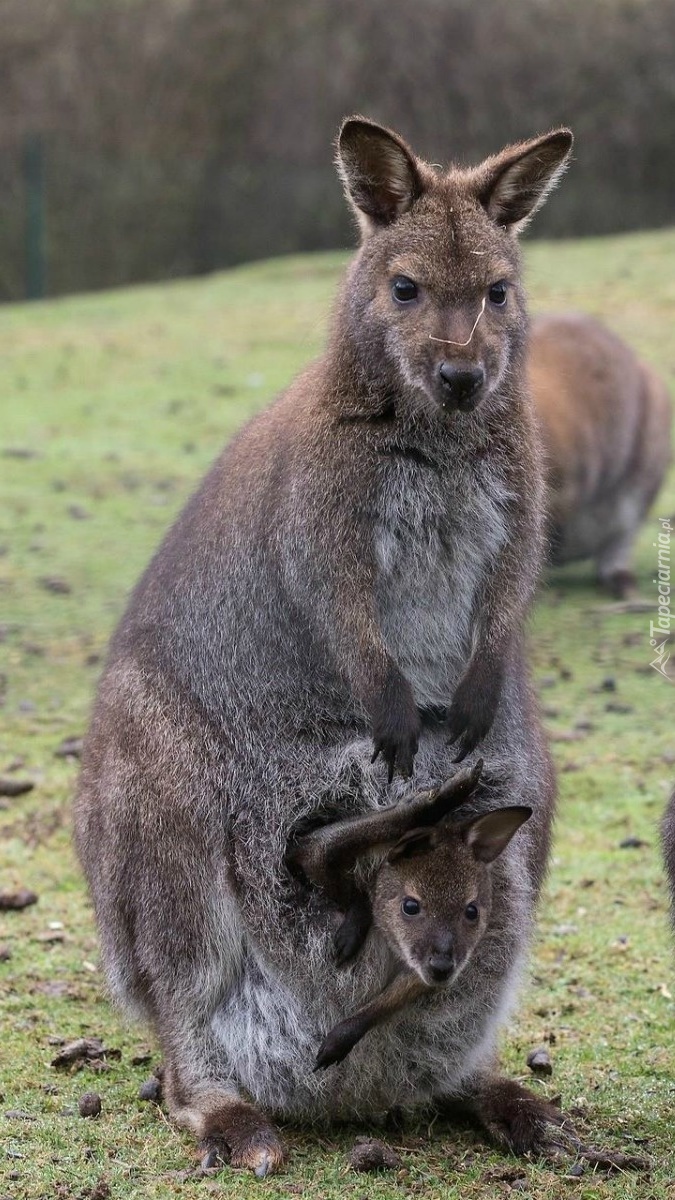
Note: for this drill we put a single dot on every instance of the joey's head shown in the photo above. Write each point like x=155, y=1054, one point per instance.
x=433, y=301
x=433, y=894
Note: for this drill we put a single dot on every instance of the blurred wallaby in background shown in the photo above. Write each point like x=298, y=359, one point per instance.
x=351, y=577
x=606, y=422
x=430, y=899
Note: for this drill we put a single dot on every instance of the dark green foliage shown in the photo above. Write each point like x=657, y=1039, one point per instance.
x=184, y=135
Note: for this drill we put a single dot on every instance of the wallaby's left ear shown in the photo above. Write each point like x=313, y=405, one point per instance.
x=514, y=184
x=488, y=836
x=416, y=841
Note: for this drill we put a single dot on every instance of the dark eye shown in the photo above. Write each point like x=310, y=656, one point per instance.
x=410, y=907
x=403, y=289
x=497, y=294
x=471, y=912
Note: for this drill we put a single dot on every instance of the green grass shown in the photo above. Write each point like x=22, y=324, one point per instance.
x=122, y=400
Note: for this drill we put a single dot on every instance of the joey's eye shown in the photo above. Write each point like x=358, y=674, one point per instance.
x=403, y=289
x=497, y=294
x=471, y=912
x=410, y=907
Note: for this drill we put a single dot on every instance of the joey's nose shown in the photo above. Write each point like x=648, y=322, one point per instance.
x=460, y=386
x=441, y=966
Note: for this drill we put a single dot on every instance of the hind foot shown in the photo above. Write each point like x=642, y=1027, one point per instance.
x=517, y=1120
x=520, y=1121
x=239, y=1136
x=621, y=584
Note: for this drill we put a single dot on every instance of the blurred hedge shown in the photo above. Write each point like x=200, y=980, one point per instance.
x=183, y=135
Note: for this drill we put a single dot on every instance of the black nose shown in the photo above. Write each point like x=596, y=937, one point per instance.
x=441, y=967
x=460, y=386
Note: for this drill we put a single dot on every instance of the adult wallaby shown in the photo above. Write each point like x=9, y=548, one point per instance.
x=430, y=899
x=357, y=563
x=606, y=423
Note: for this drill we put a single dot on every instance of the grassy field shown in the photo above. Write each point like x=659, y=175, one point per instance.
x=112, y=406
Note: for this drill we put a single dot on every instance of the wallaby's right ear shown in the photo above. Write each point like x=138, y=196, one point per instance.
x=379, y=172
x=489, y=835
x=416, y=841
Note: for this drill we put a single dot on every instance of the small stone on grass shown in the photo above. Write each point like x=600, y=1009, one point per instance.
x=22, y=898
x=70, y=747
x=55, y=584
x=15, y=787
x=539, y=1061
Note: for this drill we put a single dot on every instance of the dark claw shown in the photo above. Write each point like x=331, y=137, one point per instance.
x=325, y=1059
x=389, y=756
x=336, y=1045
x=346, y=946
x=395, y=756
x=215, y=1154
x=468, y=731
x=466, y=745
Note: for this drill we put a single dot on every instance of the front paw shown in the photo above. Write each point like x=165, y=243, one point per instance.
x=349, y=937
x=396, y=727
x=347, y=942
x=336, y=1045
x=473, y=710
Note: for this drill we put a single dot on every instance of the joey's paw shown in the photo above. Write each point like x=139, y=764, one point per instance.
x=396, y=727
x=472, y=713
x=336, y=1046
x=347, y=941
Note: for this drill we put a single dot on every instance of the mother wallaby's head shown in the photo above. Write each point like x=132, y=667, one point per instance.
x=433, y=300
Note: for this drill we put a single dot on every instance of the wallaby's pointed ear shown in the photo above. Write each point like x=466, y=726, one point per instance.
x=379, y=172
x=416, y=841
x=515, y=183
x=489, y=835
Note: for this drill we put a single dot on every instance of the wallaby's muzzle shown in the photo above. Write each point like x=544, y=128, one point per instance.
x=441, y=967
x=460, y=387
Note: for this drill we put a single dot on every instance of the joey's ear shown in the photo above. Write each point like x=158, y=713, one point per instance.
x=380, y=174
x=413, y=843
x=488, y=836
x=514, y=184
x=450, y=795
x=459, y=786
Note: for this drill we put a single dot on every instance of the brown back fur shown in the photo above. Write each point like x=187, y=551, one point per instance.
x=606, y=422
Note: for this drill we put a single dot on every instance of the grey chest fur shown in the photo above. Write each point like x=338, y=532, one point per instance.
x=437, y=538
